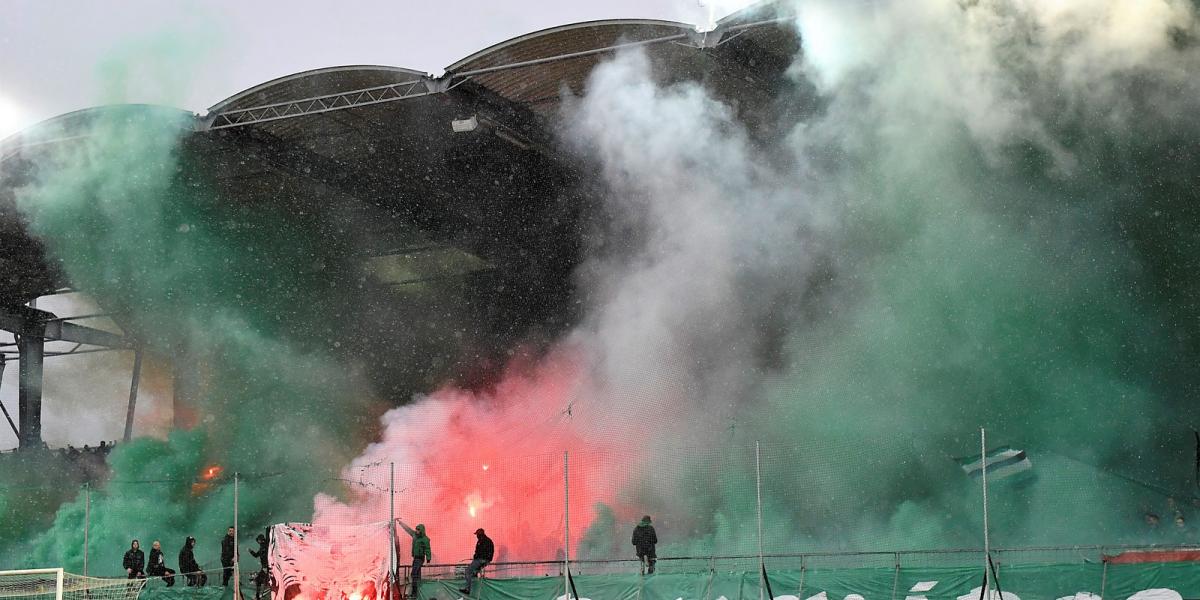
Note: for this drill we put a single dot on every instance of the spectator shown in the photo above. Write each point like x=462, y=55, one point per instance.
x=261, y=553
x=1181, y=533
x=421, y=554
x=264, y=573
x=158, y=565
x=189, y=566
x=228, y=553
x=485, y=550
x=134, y=561
x=644, y=539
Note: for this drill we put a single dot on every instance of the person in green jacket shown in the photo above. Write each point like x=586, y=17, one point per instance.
x=421, y=553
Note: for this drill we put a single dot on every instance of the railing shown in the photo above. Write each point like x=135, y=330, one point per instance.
x=1048, y=555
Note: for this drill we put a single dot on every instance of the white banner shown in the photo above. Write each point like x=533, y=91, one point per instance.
x=317, y=562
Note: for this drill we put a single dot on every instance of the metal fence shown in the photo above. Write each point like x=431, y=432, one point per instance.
x=900, y=559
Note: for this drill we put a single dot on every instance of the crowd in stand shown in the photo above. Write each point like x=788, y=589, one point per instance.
x=72, y=452
x=137, y=566
x=1170, y=524
x=90, y=461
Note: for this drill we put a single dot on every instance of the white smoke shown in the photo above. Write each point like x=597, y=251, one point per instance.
x=1006, y=70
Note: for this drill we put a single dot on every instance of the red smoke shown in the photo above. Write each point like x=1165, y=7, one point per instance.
x=494, y=460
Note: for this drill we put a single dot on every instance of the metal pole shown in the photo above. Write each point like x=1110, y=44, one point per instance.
x=566, y=526
x=392, y=523
x=1103, y=574
x=986, y=543
x=133, y=389
x=237, y=592
x=87, y=522
x=896, y=576
x=762, y=565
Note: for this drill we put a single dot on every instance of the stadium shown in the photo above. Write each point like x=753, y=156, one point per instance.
x=767, y=281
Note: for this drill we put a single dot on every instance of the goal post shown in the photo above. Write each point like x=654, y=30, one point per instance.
x=55, y=584
x=32, y=583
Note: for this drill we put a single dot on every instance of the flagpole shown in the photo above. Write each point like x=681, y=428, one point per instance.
x=566, y=526
x=987, y=556
x=392, y=528
x=762, y=565
x=87, y=522
x=237, y=592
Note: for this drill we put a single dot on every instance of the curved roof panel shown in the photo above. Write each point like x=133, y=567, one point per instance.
x=316, y=82
x=769, y=25
x=76, y=124
x=563, y=56
x=758, y=12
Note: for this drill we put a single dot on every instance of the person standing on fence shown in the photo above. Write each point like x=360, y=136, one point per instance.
x=421, y=553
x=158, y=565
x=229, y=550
x=187, y=563
x=485, y=550
x=644, y=539
x=134, y=561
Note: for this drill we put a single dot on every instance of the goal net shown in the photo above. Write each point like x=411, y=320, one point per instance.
x=54, y=584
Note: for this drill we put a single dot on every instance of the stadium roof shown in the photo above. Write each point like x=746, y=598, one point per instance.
x=446, y=190
x=349, y=124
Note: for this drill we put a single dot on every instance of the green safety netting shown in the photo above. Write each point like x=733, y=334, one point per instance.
x=1050, y=582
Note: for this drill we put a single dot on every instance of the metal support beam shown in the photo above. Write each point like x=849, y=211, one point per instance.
x=33, y=328
x=415, y=88
x=7, y=416
x=23, y=320
x=29, y=391
x=133, y=389
x=71, y=332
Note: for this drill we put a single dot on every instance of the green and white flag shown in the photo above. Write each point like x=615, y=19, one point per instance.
x=1001, y=462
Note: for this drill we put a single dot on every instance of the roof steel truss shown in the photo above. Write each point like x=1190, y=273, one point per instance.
x=330, y=102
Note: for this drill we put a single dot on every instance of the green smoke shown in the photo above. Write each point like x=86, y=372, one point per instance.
x=1013, y=262
x=988, y=221
x=1017, y=264
x=247, y=296
x=237, y=292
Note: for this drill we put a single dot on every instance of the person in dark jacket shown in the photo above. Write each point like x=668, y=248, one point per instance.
x=421, y=554
x=644, y=540
x=485, y=550
x=134, y=561
x=264, y=572
x=158, y=565
x=228, y=552
x=189, y=566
